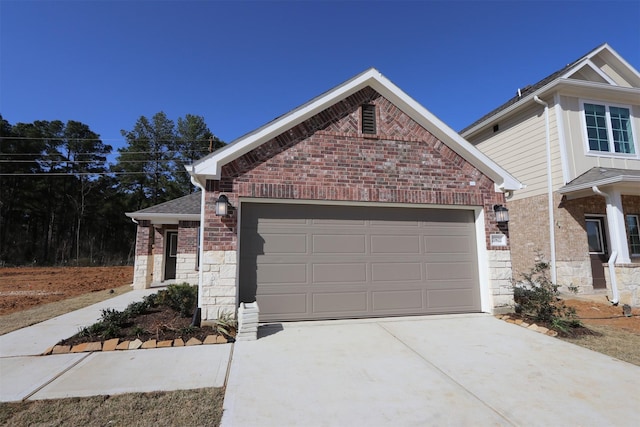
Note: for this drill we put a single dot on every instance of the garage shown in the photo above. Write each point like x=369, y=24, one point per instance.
x=311, y=261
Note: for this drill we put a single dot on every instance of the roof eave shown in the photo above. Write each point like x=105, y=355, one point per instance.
x=543, y=91
x=210, y=167
x=163, y=218
x=599, y=183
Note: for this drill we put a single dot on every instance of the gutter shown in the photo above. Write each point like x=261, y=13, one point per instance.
x=559, y=83
x=552, y=231
x=614, y=255
x=197, y=315
x=605, y=181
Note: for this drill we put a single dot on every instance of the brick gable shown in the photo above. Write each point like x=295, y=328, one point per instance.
x=328, y=158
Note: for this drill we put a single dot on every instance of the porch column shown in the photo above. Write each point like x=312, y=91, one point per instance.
x=617, y=229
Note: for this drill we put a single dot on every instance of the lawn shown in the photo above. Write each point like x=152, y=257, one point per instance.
x=201, y=407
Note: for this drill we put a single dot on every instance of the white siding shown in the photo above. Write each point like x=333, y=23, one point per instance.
x=519, y=147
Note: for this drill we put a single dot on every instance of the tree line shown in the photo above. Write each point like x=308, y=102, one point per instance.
x=63, y=202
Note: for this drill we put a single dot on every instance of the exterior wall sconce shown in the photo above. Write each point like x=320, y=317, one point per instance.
x=502, y=213
x=222, y=205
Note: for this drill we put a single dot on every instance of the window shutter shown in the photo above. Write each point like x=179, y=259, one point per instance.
x=369, y=119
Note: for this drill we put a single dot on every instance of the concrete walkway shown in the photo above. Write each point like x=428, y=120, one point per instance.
x=25, y=375
x=439, y=370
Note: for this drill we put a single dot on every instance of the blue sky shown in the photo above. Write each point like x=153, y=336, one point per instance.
x=240, y=64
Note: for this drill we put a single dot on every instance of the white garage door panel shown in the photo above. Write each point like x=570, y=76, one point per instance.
x=321, y=262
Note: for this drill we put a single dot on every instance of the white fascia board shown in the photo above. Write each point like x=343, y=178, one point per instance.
x=211, y=166
x=163, y=218
x=568, y=86
x=620, y=179
x=594, y=68
x=444, y=133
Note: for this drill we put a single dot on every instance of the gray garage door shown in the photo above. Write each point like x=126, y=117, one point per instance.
x=327, y=262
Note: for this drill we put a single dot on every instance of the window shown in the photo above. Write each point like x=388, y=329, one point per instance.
x=595, y=236
x=634, y=234
x=369, y=119
x=609, y=128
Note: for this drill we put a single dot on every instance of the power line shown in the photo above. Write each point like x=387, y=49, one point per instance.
x=86, y=173
x=63, y=138
x=84, y=161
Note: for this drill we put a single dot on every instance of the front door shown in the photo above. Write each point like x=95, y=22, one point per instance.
x=596, y=235
x=171, y=255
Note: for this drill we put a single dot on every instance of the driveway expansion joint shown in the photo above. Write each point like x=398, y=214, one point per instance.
x=58, y=375
x=437, y=368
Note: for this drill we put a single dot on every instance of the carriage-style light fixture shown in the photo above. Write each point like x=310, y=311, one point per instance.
x=222, y=205
x=502, y=213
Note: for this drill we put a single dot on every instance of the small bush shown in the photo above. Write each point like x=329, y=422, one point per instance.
x=182, y=298
x=151, y=300
x=114, y=317
x=137, y=308
x=537, y=297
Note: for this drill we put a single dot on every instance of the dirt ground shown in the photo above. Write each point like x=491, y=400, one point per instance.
x=26, y=287
x=604, y=314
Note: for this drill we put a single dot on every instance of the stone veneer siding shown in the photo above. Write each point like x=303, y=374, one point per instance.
x=142, y=274
x=149, y=261
x=500, y=274
x=326, y=158
x=186, y=262
x=529, y=232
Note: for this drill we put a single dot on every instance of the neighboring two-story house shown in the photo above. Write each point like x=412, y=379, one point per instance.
x=574, y=140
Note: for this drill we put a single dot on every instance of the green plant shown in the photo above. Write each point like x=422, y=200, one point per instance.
x=111, y=330
x=537, y=297
x=114, y=317
x=151, y=300
x=137, y=331
x=225, y=323
x=182, y=298
x=137, y=308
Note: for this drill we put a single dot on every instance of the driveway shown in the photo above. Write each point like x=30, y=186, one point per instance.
x=438, y=370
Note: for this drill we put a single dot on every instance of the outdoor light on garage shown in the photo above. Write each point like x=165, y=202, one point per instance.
x=222, y=205
x=502, y=213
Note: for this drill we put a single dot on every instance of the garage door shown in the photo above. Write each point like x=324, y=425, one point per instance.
x=326, y=262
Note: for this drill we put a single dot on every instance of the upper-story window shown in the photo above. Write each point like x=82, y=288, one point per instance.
x=609, y=128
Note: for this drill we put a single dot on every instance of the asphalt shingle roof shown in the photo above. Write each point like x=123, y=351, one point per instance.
x=186, y=205
x=528, y=90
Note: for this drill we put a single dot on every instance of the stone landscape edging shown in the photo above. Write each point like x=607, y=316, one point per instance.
x=530, y=326
x=115, y=345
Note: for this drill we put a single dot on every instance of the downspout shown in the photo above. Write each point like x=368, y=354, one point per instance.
x=614, y=254
x=552, y=231
x=197, y=316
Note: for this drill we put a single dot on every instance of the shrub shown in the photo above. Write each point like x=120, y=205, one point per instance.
x=137, y=308
x=114, y=317
x=537, y=297
x=182, y=298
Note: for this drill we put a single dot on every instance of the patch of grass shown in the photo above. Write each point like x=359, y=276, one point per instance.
x=22, y=319
x=612, y=341
x=202, y=407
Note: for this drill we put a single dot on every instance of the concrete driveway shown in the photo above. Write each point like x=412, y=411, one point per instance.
x=439, y=370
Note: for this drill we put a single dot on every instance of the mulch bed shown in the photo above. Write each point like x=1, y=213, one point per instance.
x=573, y=332
x=161, y=323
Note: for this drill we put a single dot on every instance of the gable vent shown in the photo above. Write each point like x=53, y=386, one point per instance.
x=369, y=119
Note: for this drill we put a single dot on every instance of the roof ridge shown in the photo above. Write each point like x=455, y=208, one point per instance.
x=532, y=88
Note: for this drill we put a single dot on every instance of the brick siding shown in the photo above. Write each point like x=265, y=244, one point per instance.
x=327, y=158
x=188, y=237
